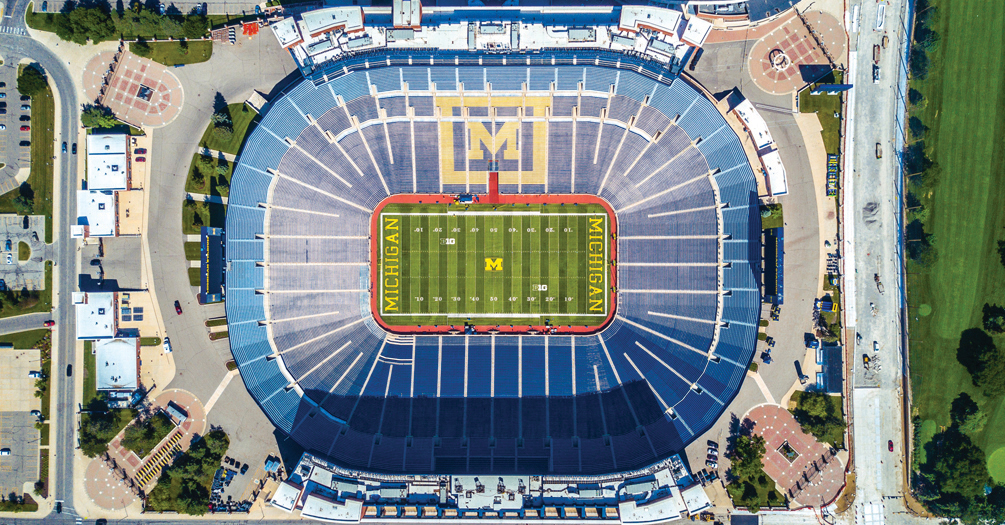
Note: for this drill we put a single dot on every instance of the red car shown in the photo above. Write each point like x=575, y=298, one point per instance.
x=141, y=159
x=49, y=323
x=177, y=307
x=140, y=151
x=889, y=445
x=25, y=128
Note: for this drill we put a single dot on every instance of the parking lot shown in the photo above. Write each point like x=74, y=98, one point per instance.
x=12, y=155
x=17, y=391
x=17, y=274
x=17, y=433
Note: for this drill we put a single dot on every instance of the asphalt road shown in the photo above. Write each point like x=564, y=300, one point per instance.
x=873, y=211
x=14, y=46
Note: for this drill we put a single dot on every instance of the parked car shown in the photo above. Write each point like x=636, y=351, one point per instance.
x=10, y=258
x=3, y=111
x=167, y=345
x=25, y=128
x=64, y=147
x=140, y=151
x=45, y=6
x=244, y=469
x=258, y=10
x=141, y=159
x=712, y=444
x=889, y=445
x=177, y=307
x=69, y=370
x=95, y=262
x=73, y=149
x=2, y=127
x=3, y=85
x=711, y=464
x=49, y=323
x=25, y=98
x=3, y=104
x=7, y=245
x=25, y=118
x=714, y=452
x=4, y=451
x=25, y=143
x=35, y=375
x=36, y=413
x=34, y=236
x=25, y=107
x=3, y=95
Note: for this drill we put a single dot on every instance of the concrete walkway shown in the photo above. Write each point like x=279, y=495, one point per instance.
x=206, y=198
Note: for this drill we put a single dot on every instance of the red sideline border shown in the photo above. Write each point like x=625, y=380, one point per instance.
x=436, y=198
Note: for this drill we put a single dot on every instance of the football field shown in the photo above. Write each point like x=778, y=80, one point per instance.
x=487, y=264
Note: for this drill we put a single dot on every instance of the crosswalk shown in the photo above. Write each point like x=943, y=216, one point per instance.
x=13, y=30
x=153, y=467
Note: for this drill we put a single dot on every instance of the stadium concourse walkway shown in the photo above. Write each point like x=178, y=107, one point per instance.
x=112, y=481
x=810, y=474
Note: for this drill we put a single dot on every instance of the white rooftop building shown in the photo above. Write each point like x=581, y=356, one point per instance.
x=774, y=173
x=95, y=214
x=635, y=18
x=755, y=124
x=106, y=161
x=95, y=315
x=116, y=364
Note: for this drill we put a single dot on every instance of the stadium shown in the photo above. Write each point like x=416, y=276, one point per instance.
x=467, y=389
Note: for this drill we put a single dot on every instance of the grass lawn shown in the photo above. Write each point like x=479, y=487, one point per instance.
x=43, y=471
x=775, y=220
x=24, y=340
x=150, y=341
x=825, y=106
x=40, y=177
x=125, y=29
x=209, y=214
x=216, y=322
x=92, y=433
x=195, y=276
x=23, y=251
x=90, y=375
x=210, y=179
x=965, y=113
x=755, y=493
x=173, y=53
x=193, y=251
x=33, y=302
x=244, y=120
x=43, y=435
x=215, y=336
x=835, y=436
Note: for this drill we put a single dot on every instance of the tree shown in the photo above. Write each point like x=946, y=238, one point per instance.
x=85, y=23
x=994, y=315
x=221, y=119
x=818, y=415
x=97, y=117
x=746, y=456
x=917, y=127
x=967, y=414
x=31, y=81
x=195, y=26
x=915, y=97
x=918, y=62
x=959, y=465
x=223, y=134
x=920, y=247
x=984, y=360
x=221, y=170
x=197, y=177
x=23, y=205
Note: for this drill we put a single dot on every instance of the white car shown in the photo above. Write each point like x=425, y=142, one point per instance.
x=4, y=451
x=10, y=258
x=2, y=127
x=35, y=375
x=167, y=345
x=875, y=346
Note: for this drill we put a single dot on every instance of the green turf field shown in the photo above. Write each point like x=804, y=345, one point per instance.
x=487, y=264
x=965, y=112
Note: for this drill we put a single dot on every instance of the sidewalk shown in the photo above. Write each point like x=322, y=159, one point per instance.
x=206, y=198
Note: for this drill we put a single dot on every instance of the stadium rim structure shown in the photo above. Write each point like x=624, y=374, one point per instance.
x=331, y=147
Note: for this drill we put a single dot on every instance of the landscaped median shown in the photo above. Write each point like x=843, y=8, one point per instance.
x=209, y=176
x=175, y=52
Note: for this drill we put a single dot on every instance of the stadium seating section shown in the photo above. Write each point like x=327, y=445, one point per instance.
x=298, y=305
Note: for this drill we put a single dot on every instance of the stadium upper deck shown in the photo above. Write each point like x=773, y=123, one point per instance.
x=329, y=150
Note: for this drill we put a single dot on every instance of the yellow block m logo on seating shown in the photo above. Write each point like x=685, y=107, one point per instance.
x=493, y=264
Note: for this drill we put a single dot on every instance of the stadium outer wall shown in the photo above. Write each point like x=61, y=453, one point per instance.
x=503, y=198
